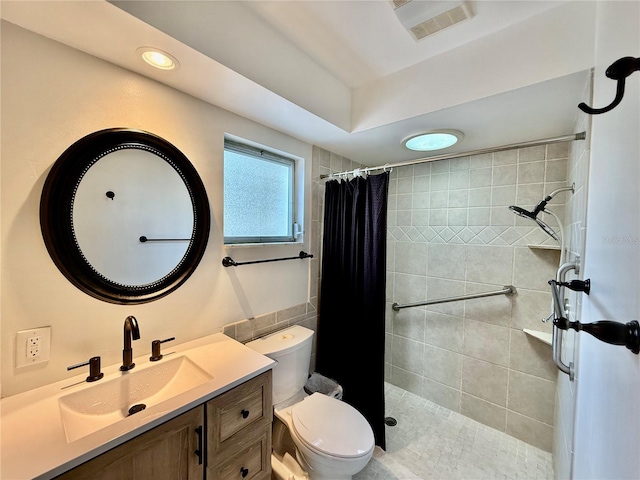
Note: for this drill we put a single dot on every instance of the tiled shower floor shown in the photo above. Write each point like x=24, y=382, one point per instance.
x=431, y=442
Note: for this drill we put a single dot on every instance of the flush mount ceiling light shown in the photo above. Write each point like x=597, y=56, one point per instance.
x=158, y=58
x=433, y=140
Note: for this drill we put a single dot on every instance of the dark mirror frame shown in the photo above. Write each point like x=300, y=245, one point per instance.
x=56, y=205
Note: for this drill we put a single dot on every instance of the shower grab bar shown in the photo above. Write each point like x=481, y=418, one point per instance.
x=507, y=290
x=230, y=262
x=557, y=293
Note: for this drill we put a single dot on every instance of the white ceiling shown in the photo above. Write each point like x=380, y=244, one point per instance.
x=361, y=41
x=345, y=75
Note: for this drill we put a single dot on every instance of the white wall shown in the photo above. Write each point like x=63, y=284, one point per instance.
x=465, y=74
x=53, y=95
x=607, y=423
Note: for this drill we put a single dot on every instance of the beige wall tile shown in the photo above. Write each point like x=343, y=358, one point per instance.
x=532, y=154
x=409, y=323
x=480, y=177
x=533, y=172
x=504, y=175
x=291, y=312
x=489, y=264
x=440, y=166
x=531, y=396
x=558, y=150
x=556, y=171
x=439, y=288
x=408, y=355
x=529, y=308
x=447, y=261
x=503, y=196
x=485, y=380
x=441, y=394
x=481, y=161
x=530, y=355
x=529, y=430
x=409, y=288
x=444, y=331
x=534, y=268
x=406, y=380
x=411, y=257
x=421, y=184
x=496, y=310
x=443, y=366
x=508, y=157
x=528, y=196
x=484, y=412
x=486, y=342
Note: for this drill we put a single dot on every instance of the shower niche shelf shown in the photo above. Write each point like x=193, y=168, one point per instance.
x=544, y=247
x=542, y=336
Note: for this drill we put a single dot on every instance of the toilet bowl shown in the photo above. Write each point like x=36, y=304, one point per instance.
x=331, y=439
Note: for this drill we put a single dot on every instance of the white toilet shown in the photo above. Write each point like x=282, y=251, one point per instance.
x=331, y=439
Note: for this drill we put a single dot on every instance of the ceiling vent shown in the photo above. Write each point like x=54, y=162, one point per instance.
x=422, y=18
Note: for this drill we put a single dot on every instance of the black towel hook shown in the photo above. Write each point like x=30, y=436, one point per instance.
x=618, y=70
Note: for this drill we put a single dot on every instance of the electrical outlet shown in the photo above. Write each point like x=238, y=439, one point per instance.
x=33, y=346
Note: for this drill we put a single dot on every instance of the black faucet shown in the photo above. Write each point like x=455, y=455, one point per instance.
x=131, y=332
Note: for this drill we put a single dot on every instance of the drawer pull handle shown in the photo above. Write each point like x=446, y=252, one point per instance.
x=198, y=452
x=244, y=413
x=244, y=472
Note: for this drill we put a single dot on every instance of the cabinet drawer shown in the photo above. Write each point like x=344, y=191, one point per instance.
x=247, y=407
x=252, y=463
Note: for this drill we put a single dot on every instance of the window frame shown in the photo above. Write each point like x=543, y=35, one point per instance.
x=245, y=148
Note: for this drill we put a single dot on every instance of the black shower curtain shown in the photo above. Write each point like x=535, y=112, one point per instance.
x=351, y=329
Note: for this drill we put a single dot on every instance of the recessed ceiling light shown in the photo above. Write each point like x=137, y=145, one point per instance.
x=158, y=58
x=433, y=140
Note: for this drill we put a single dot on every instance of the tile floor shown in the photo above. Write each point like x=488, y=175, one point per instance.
x=431, y=442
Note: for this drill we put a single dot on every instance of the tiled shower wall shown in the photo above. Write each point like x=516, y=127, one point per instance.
x=450, y=233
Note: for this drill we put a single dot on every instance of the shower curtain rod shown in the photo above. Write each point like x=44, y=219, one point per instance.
x=533, y=143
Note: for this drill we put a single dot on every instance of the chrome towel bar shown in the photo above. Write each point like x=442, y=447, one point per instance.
x=507, y=290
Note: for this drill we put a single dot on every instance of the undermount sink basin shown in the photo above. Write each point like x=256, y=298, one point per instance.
x=107, y=402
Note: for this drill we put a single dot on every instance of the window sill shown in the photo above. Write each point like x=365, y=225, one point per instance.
x=254, y=245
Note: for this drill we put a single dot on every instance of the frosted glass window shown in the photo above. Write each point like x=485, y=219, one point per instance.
x=258, y=195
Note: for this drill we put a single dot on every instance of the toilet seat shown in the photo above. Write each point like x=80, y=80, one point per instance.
x=331, y=427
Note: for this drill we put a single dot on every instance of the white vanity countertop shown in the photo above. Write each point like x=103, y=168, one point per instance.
x=34, y=444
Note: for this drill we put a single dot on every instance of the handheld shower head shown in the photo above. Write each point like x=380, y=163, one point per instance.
x=540, y=207
x=521, y=212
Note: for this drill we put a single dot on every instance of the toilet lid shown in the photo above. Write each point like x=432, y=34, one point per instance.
x=332, y=427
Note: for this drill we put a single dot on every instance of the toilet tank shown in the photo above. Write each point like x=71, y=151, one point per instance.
x=291, y=348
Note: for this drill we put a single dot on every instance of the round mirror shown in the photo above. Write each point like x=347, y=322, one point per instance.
x=124, y=216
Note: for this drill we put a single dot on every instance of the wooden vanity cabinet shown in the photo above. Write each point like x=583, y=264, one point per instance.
x=165, y=453
x=239, y=432
x=229, y=436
